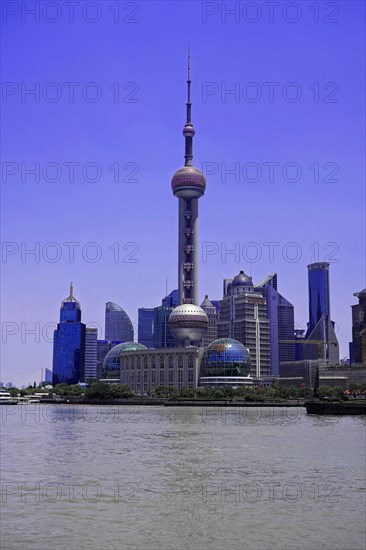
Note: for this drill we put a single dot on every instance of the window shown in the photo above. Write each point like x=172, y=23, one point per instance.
x=161, y=360
x=180, y=361
x=190, y=377
x=161, y=378
x=145, y=362
x=180, y=379
x=170, y=378
x=139, y=362
x=153, y=362
x=153, y=378
x=190, y=360
x=170, y=361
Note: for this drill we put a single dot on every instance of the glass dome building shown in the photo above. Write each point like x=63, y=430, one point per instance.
x=111, y=364
x=225, y=362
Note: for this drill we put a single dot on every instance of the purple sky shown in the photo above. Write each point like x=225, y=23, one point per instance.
x=299, y=99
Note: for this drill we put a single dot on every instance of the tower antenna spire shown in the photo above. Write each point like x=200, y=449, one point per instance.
x=188, y=130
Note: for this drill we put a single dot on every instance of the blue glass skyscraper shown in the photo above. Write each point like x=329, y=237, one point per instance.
x=146, y=326
x=69, y=343
x=118, y=325
x=320, y=326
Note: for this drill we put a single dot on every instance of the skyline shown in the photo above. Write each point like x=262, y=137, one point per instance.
x=148, y=134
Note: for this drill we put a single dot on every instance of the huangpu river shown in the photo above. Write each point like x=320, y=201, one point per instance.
x=177, y=478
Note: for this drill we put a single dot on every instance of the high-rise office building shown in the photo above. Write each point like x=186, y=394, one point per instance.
x=280, y=313
x=118, y=325
x=91, y=353
x=243, y=316
x=171, y=300
x=320, y=327
x=146, y=326
x=69, y=343
x=211, y=313
x=162, y=336
x=359, y=328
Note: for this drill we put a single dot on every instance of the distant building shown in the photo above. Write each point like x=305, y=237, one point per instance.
x=146, y=326
x=118, y=325
x=69, y=344
x=320, y=326
x=103, y=347
x=91, y=353
x=211, y=313
x=9, y=385
x=172, y=300
x=162, y=337
x=359, y=328
x=46, y=376
x=111, y=370
x=243, y=317
x=280, y=313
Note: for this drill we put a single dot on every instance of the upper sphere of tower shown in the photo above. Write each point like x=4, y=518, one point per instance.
x=188, y=130
x=188, y=182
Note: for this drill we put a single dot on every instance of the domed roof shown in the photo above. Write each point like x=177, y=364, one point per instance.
x=112, y=359
x=226, y=357
x=242, y=280
x=190, y=180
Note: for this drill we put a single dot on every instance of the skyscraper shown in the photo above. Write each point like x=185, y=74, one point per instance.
x=91, y=353
x=162, y=336
x=118, y=325
x=188, y=184
x=320, y=326
x=359, y=328
x=146, y=326
x=69, y=343
x=211, y=313
x=243, y=316
x=280, y=313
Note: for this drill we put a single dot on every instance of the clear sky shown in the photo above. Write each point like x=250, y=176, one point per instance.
x=105, y=126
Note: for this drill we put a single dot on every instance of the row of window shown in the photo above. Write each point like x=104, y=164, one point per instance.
x=153, y=360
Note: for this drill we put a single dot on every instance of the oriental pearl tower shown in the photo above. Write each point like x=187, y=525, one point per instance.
x=188, y=322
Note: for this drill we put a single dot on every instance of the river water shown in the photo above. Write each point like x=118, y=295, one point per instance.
x=117, y=477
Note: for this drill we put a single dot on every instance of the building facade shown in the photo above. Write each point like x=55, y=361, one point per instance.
x=69, y=343
x=243, y=317
x=359, y=328
x=91, y=353
x=118, y=325
x=142, y=370
x=146, y=326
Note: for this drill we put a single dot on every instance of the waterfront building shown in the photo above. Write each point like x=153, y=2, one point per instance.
x=280, y=313
x=91, y=353
x=118, y=325
x=320, y=326
x=111, y=371
x=225, y=362
x=359, y=328
x=69, y=343
x=146, y=326
x=243, y=317
x=178, y=368
x=211, y=313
